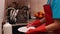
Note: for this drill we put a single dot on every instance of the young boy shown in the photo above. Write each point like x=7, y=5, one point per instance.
x=53, y=26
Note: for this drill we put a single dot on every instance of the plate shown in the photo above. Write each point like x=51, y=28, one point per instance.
x=25, y=29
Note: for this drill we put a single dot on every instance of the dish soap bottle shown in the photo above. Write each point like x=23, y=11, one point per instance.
x=7, y=28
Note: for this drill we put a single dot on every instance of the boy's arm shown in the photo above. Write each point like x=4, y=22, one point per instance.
x=44, y=28
x=53, y=26
x=37, y=22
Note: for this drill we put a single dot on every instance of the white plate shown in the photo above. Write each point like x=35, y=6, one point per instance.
x=25, y=29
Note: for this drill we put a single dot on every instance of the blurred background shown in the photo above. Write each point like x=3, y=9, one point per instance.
x=25, y=7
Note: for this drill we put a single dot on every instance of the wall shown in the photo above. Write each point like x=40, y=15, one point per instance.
x=20, y=2
x=1, y=14
x=37, y=5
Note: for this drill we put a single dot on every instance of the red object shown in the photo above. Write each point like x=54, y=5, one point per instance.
x=48, y=14
x=34, y=23
x=41, y=28
x=37, y=30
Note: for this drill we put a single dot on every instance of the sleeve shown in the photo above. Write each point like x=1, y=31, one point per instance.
x=56, y=9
